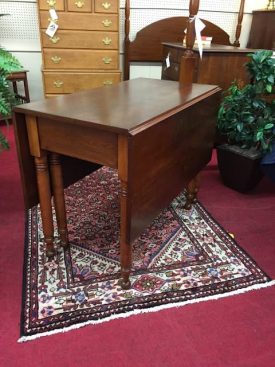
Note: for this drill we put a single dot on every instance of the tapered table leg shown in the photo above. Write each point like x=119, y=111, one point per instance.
x=192, y=191
x=44, y=191
x=59, y=201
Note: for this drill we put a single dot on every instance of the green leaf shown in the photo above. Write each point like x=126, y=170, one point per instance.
x=270, y=78
x=240, y=127
x=269, y=88
x=259, y=135
x=268, y=126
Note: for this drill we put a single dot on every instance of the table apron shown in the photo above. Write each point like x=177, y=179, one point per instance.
x=78, y=141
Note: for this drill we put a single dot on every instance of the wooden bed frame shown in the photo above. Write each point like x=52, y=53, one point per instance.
x=147, y=46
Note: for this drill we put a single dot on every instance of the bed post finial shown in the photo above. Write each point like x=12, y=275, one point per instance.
x=190, y=32
x=127, y=40
x=239, y=25
x=188, y=60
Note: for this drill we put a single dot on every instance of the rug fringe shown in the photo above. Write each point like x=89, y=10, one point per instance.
x=154, y=309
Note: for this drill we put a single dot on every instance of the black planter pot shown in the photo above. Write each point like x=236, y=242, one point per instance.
x=239, y=168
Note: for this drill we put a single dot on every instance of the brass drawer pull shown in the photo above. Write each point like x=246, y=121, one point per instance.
x=107, y=82
x=107, y=41
x=106, y=5
x=58, y=83
x=80, y=4
x=56, y=59
x=54, y=39
x=107, y=60
x=107, y=22
x=51, y=3
x=53, y=20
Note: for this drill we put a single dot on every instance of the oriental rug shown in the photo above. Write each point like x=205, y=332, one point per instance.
x=182, y=258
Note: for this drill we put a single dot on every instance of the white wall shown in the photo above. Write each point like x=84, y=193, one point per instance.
x=19, y=31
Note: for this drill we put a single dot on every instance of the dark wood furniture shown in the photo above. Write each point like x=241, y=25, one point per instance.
x=262, y=33
x=17, y=78
x=20, y=77
x=220, y=65
x=158, y=134
x=147, y=46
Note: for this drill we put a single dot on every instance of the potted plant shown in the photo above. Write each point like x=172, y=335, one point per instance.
x=262, y=69
x=8, y=64
x=246, y=119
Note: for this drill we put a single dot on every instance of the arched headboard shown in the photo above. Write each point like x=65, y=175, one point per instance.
x=147, y=45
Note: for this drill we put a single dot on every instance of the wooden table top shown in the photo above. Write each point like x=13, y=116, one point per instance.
x=17, y=74
x=126, y=108
x=213, y=48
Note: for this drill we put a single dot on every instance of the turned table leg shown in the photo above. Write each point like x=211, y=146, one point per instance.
x=59, y=200
x=125, y=245
x=125, y=261
x=44, y=191
x=125, y=213
x=192, y=191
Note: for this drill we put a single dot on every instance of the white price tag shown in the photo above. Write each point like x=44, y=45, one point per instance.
x=53, y=14
x=168, y=64
x=52, y=28
x=199, y=26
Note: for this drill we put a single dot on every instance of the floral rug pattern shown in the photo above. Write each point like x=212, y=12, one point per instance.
x=184, y=255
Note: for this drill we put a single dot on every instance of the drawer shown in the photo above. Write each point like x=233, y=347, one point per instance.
x=81, y=59
x=81, y=39
x=79, y=5
x=82, y=21
x=106, y=6
x=48, y=4
x=65, y=82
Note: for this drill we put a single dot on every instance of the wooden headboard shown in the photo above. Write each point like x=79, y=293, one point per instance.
x=147, y=45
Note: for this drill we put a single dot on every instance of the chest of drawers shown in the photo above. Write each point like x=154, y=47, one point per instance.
x=84, y=51
x=220, y=65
